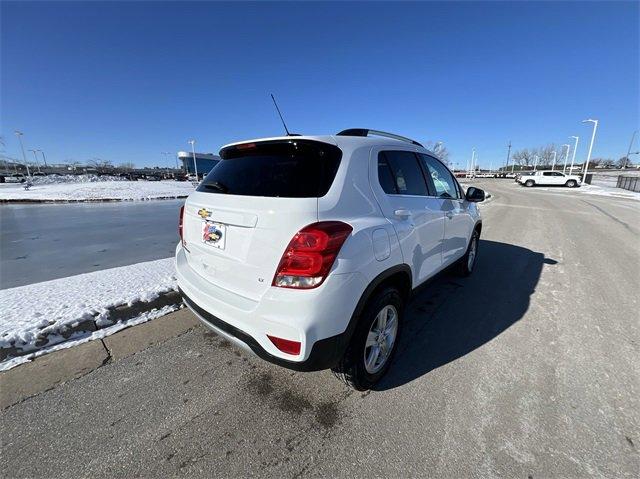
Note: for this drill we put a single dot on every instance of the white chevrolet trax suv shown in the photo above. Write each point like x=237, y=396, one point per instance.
x=305, y=249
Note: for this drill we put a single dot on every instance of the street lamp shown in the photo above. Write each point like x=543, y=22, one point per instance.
x=535, y=163
x=473, y=155
x=24, y=157
x=575, y=148
x=193, y=151
x=43, y=158
x=566, y=157
x=633, y=137
x=553, y=165
x=36, y=157
x=593, y=137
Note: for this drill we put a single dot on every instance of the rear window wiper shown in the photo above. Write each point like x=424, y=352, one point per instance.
x=216, y=185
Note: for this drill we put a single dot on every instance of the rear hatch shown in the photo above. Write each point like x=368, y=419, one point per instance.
x=244, y=213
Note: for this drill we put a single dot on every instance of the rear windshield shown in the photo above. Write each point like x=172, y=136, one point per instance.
x=281, y=168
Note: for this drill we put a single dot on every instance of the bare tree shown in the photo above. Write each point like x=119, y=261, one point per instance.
x=623, y=162
x=101, y=166
x=523, y=157
x=440, y=150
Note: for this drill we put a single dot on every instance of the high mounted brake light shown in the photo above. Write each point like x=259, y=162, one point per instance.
x=308, y=258
x=246, y=146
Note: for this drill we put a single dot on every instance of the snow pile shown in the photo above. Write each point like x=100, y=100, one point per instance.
x=97, y=191
x=53, y=179
x=46, y=312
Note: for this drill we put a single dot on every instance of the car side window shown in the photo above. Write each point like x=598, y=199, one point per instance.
x=406, y=175
x=385, y=177
x=441, y=177
x=548, y=173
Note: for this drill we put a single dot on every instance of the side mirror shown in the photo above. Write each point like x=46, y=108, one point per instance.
x=474, y=195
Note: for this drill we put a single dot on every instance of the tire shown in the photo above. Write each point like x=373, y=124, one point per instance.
x=571, y=184
x=529, y=183
x=353, y=368
x=468, y=261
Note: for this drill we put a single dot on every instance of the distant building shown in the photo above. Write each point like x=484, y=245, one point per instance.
x=205, y=162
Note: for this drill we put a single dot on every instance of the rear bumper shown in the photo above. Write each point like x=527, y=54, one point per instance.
x=325, y=353
x=317, y=318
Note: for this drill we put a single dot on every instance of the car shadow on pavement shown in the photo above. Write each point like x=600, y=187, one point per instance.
x=451, y=316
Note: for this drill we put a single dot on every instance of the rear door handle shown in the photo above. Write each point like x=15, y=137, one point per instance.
x=402, y=213
x=449, y=214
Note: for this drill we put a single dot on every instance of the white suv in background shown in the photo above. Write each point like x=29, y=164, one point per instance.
x=305, y=249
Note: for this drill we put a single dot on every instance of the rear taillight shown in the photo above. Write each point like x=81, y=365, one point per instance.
x=310, y=255
x=180, y=223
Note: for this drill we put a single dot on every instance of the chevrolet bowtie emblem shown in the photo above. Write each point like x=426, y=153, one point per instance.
x=204, y=213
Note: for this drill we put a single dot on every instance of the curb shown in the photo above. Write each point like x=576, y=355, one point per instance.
x=115, y=314
x=48, y=371
x=90, y=200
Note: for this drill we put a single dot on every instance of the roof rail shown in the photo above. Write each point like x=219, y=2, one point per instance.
x=367, y=132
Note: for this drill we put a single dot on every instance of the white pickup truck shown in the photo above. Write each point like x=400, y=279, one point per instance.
x=549, y=178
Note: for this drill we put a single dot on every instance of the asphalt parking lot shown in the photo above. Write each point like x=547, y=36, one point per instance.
x=529, y=368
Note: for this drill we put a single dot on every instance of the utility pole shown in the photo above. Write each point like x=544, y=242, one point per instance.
x=24, y=156
x=508, y=156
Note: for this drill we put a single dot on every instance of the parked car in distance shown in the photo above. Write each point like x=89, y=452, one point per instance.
x=15, y=178
x=180, y=177
x=305, y=249
x=549, y=178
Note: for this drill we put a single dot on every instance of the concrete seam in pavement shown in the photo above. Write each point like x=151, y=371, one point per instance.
x=45, y=373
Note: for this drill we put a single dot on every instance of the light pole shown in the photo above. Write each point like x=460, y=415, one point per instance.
x=535, y=163
x=566, y=157
x=508, y=155
x=472, y=162
x=626, y=161
x=553, y=165
x=593, y=137
x=43, y=158
x=36, y=157
x=24, y=157
x=193, y=151
x=575, y=148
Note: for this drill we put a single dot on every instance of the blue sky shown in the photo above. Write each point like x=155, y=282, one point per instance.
x=126, y=81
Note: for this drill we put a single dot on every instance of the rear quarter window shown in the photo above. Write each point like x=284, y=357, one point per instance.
x=282, y=168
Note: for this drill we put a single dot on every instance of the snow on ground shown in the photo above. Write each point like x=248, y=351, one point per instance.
x=594, y=190
x=97, y=190
x=80, y=338
x=53, y=307
x=51, y=179
x=608, y=191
